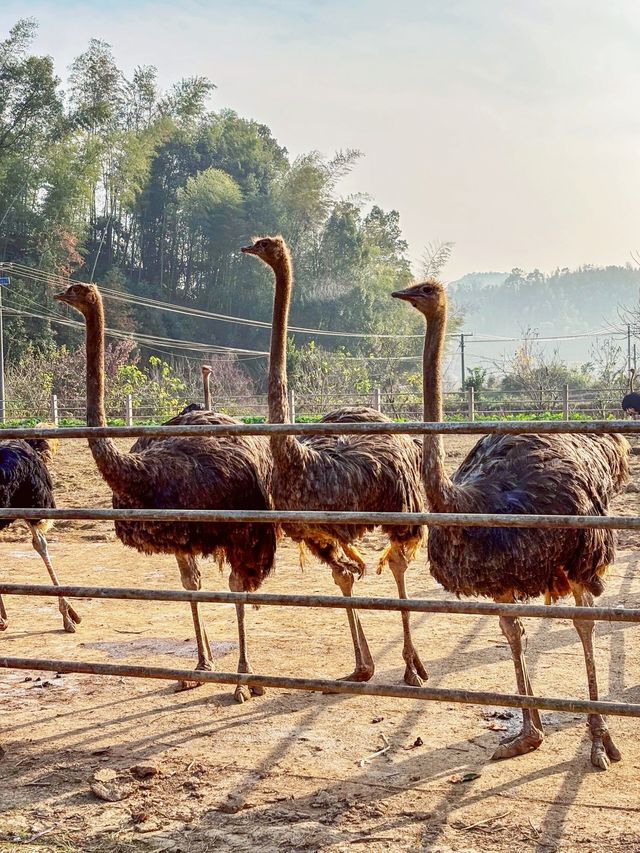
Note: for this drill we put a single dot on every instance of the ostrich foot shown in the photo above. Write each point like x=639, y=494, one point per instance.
x=529, y=739
x=204, y=666
x=603, y=750
x=362, y=674
x=244, y=692
x=415, y=674
x=70, y=619
x=4, y=624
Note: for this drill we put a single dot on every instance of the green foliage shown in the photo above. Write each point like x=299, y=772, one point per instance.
x=153, y=193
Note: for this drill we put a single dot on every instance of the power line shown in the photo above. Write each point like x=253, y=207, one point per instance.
x=45, y=277
x=139, y=338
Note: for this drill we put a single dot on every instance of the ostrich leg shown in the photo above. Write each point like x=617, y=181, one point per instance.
x=532, y=734
x=191, y=579
x=4, y=622
x=69, y=616
x=603, y=749
x=415, y=674
x=343, y=578
x=242, y=691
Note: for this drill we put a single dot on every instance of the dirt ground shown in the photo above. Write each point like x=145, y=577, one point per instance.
x=295, y=771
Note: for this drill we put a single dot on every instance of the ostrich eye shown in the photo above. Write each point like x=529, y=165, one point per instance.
x=263, y=244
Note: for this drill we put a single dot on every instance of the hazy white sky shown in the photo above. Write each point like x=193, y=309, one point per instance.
x=512, y=128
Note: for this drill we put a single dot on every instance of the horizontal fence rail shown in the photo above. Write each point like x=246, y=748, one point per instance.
x=367, y=428
x=265, y=516
x=418, y=605
x=328, y=685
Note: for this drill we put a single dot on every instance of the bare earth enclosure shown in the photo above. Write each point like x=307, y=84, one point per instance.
x=111, y=764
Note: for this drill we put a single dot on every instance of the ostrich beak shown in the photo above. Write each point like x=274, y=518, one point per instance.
x=249, y=250
x=405, y=295
x=60, y=297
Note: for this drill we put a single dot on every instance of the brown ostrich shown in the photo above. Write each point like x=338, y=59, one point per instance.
x=547, y=474
x=350, y=472
x=183, y=473
x=25, y=482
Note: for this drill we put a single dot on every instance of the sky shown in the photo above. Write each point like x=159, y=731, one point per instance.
x=510, y=128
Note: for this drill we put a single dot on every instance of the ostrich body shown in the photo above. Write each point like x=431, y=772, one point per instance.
x=631, y=401
x=350, y=472
x=183, y=473
x=25, y=482
x=549, y=474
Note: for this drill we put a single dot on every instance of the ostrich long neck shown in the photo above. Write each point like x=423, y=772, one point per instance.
x=438, y=486
x=113, y=465
x=285, y=448
x=207, y=391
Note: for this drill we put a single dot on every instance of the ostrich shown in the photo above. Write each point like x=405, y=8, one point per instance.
x=199, y=407
x=631, y=401
x=25, y=482
x=183, y=473
x=546, y=474
x=350, y=472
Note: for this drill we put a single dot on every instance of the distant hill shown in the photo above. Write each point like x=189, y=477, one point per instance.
x=565, y=302
x=474, y=281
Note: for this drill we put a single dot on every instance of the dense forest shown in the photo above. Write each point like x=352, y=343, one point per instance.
x=152, y=193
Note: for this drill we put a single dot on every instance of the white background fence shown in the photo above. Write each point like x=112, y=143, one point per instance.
x=597, y=403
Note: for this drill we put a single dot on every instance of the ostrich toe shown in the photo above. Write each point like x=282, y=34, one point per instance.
x=73, y=615
x=244, y=692
x=364, y=673
x=604, y=751
x=529, y=739
x=4, y=624
x=70, y=619
x=415, y=674
x=203, y=666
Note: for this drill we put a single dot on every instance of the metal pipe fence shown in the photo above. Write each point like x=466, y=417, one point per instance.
x=370, y=427
x=610, y=614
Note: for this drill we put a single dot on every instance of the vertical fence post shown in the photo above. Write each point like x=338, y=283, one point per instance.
x=54, y=409
x=377, y=404
x=292, y=406
x=565, y=407
x=471, y=401
x=128, y=410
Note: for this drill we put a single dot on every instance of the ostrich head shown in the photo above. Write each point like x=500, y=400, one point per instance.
x=271, y=250
x=427, y=296
x=206, y=370
x=82, y=297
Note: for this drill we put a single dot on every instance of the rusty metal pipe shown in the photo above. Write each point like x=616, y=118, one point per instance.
x=438, y=694
x=376, y=428
x=419, y=605
x=441, y=519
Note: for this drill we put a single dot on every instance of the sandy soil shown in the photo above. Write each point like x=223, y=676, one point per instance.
x=293, y=771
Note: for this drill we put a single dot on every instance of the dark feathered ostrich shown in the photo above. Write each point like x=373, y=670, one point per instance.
x=25, y=482
x=351, y=472
x=548, y=474
x=199, y=407
x=631, y=401
x=183, y=473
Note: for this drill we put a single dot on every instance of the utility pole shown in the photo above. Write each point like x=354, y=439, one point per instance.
x=628, y=347
x=4, y=281
x=463, y=335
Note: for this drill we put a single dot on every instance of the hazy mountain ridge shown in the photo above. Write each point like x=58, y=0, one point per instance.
x=565, y=302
